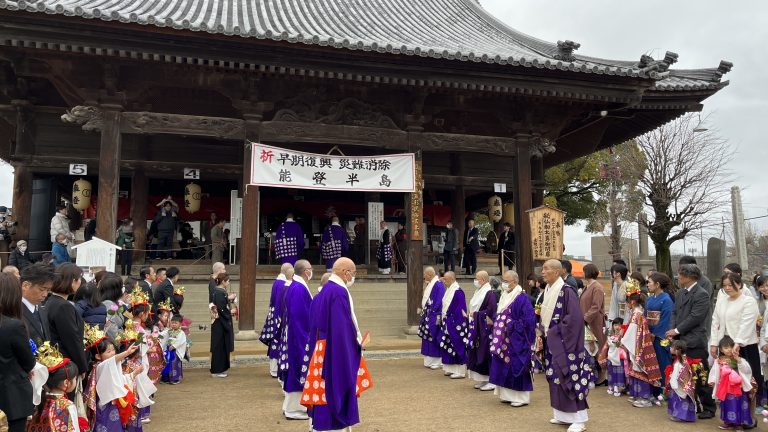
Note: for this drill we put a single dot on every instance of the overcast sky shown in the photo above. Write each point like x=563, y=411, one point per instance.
x=702, y=32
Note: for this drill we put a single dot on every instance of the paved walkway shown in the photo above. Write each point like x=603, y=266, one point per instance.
x=405, y=397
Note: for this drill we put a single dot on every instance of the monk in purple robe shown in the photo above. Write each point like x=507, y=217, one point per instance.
x=270, y=332
x=334, y=244
x=514, y=334
x=333, y=320
x=482, y=312
x=454, y=331
x=295, y=334
x=429, y=326
x=289, y=241
x=565, y=359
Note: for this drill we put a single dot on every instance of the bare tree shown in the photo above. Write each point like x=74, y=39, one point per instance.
x=685, y=181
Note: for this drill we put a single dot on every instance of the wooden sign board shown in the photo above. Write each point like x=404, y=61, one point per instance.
x=96, y=253
x=547, y=231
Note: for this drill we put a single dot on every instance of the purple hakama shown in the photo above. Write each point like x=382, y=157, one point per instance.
x=334, y=244
x=681, y=409
x=174, y=371
x=479, y=349
x=294, y=336
x=514, y=334
x=429, y=327
x=616, y=376
x=289, y=242
x=455, y=331
x=271, y=331
x=735, y=411
x=107, y=419
x=638, y=388
x=331, y=318
x=565, y=359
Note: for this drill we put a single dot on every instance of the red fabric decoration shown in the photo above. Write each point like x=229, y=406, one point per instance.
x=125, y=406
x=83, y=422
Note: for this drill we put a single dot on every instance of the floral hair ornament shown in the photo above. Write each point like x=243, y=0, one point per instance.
x=179, y=291
x=50, y=357
x=164, y=305
x=633, y=287
x=138, y=297
x=92, y=336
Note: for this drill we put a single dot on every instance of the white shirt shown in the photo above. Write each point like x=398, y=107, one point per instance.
x=29, y=305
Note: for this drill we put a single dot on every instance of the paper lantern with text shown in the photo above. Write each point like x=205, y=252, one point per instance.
x=81, y=194
x=494, y=208
x=509, y=213
x=192, y=197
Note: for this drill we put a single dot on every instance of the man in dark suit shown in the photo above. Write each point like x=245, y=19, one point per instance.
x=147, y=275
x=692, y=307
x=164, y=291
x=471, y=245
x=506, y=248
x=36, y=281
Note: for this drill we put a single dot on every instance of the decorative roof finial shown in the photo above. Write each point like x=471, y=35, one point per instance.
x=565, y=50
x=670, y=58
x=724, y=68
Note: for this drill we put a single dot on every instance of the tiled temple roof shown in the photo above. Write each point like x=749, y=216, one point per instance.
x=457, y=30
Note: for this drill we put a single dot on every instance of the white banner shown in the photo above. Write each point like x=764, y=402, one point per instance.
x=277, y=167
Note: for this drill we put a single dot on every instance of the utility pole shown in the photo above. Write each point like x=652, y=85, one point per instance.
x=739, y=230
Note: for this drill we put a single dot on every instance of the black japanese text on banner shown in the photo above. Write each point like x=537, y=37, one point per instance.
x=277, y=167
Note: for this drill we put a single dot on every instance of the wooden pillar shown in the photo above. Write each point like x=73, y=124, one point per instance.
x=523, y=203
x=139, y=197
x=538, y=181
x=415, y=262
x=22, y=183
x=250, y=234
x=22, y=201
x=109, y=173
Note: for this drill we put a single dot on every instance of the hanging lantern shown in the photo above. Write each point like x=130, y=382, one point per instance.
x=509, y=213
x=494, y=208
x=81, y=194
x=192, y=197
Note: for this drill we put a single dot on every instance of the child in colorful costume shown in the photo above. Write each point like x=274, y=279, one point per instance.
x=56, y=412
x=682, y=397
x=642, y=366
x=733, y=385
x=174, y=343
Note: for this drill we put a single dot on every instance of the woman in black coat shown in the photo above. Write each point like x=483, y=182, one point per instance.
x=16, y=359
x=222, y=332
x=65, y=323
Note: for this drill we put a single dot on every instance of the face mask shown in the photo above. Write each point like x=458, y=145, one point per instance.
x=22, y=249
x=351, y=282
x=309, y=277
x=505, y=286
x=477, y=283
x=63, y=242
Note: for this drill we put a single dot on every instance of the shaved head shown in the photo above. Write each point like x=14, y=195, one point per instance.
x=218, y=267
x=449, y=277
x=551, y=270
x=345, y=269
x=511, y=277
x=301, y=267
x=429, y=273
x=285, y=268
x=482, y=276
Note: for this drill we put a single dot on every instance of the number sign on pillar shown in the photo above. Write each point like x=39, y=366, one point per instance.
x=78, y=169
x=191, y=174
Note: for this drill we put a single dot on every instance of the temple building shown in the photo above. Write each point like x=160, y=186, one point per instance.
x=150, y=94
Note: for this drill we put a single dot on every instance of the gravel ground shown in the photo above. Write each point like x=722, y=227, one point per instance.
x=405, y=397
